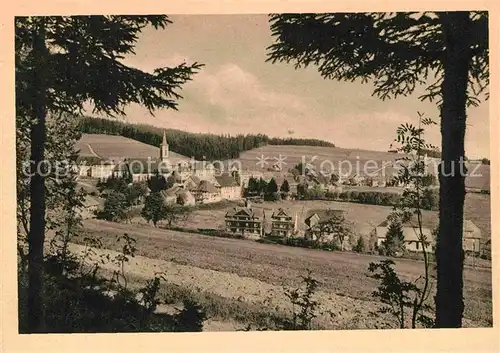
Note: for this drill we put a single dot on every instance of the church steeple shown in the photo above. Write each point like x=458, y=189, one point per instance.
x=164, y=148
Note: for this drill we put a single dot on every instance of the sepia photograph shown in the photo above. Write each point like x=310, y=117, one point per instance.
x=253, y=172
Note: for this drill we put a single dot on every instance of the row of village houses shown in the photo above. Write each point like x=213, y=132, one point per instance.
x=250, y=222
x=143, y=169
x=168, y=162
x=201, y=183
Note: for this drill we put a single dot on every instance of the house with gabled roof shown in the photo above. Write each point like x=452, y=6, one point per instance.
x=282, y=223
x=320, y=224
x=84, y=165
x=471, y=238
x=120, y=170
x=411, y=234
x=245, y=221
x=177, y=194
x=103, y=170
x=202, y=169
x=141, y=169
x=170, y=195
x=206, y=192
x=185, y=198
x=191, y=182
x=228, y=187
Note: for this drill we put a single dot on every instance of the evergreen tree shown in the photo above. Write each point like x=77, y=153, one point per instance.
x=253, y=186
x=169, y=182
x=272, y=187
x=135, y=192
x=301, y=168
x=397, y=51
x=158, y=183
x=200, y=146
x=394, y=239
x=360, y=245
x=262, y=186
x=302, y=191
x=285, y=187
x=114, y=183
x=61, y=64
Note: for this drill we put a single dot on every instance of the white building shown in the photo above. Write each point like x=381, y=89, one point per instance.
x=471, y=240
x=142, y=169
x=229, y=188
x=103, y=170
x=411, y=234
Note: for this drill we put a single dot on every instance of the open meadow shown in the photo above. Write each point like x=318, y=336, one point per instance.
x=250, y=273
x=363, y=217
x=323, y=158
x=242, y=282
x=114, y=146
x=111, y=146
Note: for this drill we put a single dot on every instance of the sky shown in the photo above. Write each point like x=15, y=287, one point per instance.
x=237, y=91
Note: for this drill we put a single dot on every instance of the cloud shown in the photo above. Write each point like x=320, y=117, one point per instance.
x=230, y=99
x=234, y=88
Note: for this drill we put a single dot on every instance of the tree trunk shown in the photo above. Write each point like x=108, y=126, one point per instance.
x=36, y=235
x=449, y=253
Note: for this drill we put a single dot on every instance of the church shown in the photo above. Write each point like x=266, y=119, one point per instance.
x=197, y=178
x=167, y=164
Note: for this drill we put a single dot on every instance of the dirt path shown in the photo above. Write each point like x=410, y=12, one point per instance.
x=92, y=150
x=347, y=312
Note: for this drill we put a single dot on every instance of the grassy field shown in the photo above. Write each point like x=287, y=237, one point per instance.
x=478, y=209
x=343, y=276
x=363, y=217
x=292, y=155
x=112, y=146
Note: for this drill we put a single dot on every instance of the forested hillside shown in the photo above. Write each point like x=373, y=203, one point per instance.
x=198, y=145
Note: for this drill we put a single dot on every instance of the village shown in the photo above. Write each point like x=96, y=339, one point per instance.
x=254, y=199
x=210, y=172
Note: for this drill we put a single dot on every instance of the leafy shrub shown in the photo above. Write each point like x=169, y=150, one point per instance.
x=399, y=295
x=303, y=305
x=81, y=305
x=77, y=300
x=190, y=318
